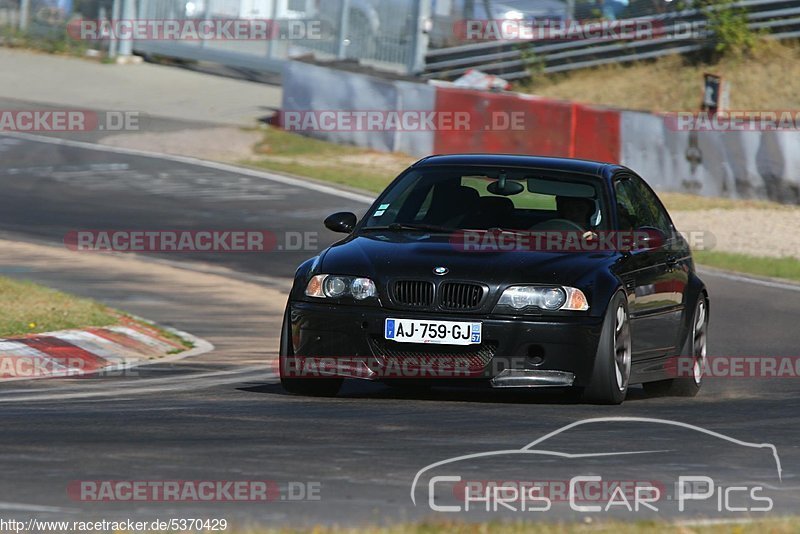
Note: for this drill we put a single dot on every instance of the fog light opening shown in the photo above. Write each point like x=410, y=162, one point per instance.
x=535, y=355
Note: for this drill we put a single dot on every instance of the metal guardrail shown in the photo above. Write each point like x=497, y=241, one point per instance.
x=513, y=59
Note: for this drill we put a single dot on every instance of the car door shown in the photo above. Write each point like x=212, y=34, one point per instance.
x=671, y=288
x=654, y=278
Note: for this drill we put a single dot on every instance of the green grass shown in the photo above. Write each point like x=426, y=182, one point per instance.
x=52, y=40
x=687, y=202
x=787, y=268
x=359, y=179
x=769, y=79
x=277, y=141
x=525, y=200
x=29, y=308
x=349, y=166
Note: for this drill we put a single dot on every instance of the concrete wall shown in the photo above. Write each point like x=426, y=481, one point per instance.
x=311, y=87
x=736, y=164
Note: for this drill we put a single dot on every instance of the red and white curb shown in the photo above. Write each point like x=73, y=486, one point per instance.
x=91, y=351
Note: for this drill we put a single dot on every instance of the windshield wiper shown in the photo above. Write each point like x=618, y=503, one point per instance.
x=497, y=229
x=398, y=227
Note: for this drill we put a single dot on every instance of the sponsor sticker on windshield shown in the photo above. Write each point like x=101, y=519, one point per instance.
x=381, y=210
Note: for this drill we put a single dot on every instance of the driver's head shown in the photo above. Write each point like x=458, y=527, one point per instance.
x=575, y=209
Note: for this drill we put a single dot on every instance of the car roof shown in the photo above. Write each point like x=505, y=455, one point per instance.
x=597, y=168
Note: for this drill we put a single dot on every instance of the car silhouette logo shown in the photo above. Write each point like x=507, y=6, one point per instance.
x=441, y=271
x=533, y=449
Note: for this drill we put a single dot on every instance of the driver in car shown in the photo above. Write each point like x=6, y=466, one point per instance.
x=576, y=210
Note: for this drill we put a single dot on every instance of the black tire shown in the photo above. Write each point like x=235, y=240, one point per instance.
x=695, y=347
x=310, y=386
x=612, y=365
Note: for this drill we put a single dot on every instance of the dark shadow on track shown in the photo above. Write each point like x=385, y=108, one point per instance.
x=359, y=390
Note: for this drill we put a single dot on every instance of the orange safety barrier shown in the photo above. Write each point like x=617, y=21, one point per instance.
x=518, y=124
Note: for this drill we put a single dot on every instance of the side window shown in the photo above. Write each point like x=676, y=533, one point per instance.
x=637, y=206
x=627, y=214
x=651, y=208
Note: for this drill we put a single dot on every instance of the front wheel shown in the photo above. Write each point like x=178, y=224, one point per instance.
x=695, y=348
x=612, y=365
x=312, y=386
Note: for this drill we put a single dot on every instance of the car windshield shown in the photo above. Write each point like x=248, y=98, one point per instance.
x=482, y=198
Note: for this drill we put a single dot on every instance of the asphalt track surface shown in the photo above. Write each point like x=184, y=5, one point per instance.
x=223, y=416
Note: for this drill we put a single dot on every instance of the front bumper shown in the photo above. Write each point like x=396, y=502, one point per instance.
x=348, y=341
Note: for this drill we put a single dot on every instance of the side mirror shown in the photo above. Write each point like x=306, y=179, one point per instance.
x=648, y=238
x=342, y=222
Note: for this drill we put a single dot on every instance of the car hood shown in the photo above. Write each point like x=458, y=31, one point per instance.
x=414, y=255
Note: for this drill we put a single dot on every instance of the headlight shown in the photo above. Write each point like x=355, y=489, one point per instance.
x=550, y=298
x=363, y=288
x=334, y=286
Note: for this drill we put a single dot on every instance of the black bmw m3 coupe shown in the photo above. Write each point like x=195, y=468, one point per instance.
x=507, y=272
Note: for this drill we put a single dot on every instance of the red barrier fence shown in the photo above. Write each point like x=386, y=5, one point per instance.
x=519, y=124
x=596, y=134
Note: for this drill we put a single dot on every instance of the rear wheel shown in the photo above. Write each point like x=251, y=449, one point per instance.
x=612, y=367
x=312, y=386
x=695, y=347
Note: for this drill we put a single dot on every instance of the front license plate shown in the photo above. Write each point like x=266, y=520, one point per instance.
x=438, y=332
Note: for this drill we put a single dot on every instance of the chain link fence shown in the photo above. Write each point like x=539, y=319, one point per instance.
x=9, y=14
x=382, y=33
x=385, y=34
x=41, y=24
x=35, y=15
